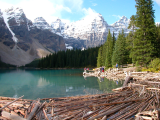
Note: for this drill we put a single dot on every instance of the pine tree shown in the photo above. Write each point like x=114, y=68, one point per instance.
x=129, y=45
x=99, y=58
x=144, y=39
x=132, y=24
x=120, y=53
x=158, y=40
x=113, y=39
x=109, y=50
x=104, y=53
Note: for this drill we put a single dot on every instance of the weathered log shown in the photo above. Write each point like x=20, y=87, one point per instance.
x=146, y=115
x=120, y=88
x=104, y=118
x=152, y=89
x=111, y=111
x=31, y=106
x=134, y=84
x=40, y=115
x=45, y=114
x=96, y=111
x=120, y=102
x=31, y=115
x=128, y=78
x=121, y=112
x=11, y=116
x=10, y=98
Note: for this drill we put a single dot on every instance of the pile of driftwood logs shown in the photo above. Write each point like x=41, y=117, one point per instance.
x=128, y=103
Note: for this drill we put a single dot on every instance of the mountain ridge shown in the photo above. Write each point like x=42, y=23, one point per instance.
x=21, y=41
x=89, y=32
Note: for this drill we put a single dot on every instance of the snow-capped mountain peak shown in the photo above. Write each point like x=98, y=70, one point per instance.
x=93, y=28
x=123, y=22
x=57, y=24
x=16, y=13
x=41, y=23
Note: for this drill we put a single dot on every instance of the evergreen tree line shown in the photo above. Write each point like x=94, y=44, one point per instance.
x=5, y=65
x=70, y=59
x=140, y=46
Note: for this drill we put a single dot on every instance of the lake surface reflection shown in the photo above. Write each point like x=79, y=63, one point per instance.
x=35, y=84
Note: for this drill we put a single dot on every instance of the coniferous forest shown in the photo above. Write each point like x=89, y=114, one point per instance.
x=141, y=46
x=4, y=65
x=70, y=59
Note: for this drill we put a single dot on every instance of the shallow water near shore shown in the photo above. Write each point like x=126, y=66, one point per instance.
x=35, y=84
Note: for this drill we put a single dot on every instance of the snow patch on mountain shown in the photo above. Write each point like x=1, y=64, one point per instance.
x=41, y=23
x=82, y=29
x=58, y=27
x=1, y=14
x=15, y=13
x=6, y=17
x=123, y=22
x=68, y=47
x=117, y=27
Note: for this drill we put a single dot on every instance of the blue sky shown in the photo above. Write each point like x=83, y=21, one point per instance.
x=73, y=10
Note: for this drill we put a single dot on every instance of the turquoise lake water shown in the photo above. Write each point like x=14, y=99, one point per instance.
x=35, y=84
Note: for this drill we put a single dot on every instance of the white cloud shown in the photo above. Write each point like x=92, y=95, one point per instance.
x=117, y=16
x=48, y=9
x=61, y=7
x=89, y=13
x=4, y=5
x=158, y=2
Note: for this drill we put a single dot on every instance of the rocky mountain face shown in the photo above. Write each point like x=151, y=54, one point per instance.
x=21, y=41
x=117, y=27
x=88, y=32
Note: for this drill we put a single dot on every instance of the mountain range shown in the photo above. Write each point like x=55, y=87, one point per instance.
x=88, y=32
x=22, y=41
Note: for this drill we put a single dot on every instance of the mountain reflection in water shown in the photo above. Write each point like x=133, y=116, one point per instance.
x=35, y=84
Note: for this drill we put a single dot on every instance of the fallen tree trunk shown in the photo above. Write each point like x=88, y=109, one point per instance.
x=11, y=116
x=128, y=78
x=33, y=111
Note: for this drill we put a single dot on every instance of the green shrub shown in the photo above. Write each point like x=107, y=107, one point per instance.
x=155, y=64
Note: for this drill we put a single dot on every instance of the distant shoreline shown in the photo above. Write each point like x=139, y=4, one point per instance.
x=39, y=68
